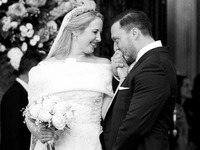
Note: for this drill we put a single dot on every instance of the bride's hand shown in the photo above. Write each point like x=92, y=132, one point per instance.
x=41, y=133
x=45, y=134
x=119, y=65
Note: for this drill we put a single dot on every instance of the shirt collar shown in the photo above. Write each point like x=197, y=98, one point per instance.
x=144, y=50
x=24, y=84
x=148, y=48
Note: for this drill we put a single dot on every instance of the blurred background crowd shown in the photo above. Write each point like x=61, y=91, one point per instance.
x=185, y=129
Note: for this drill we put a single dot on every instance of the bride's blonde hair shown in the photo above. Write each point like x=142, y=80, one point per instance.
x=76, y=23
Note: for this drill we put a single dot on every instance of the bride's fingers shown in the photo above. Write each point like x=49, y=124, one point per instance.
x=47, y=135
x=46, y=131
x=46, y=138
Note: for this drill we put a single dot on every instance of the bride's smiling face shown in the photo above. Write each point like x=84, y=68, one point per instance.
x=89, y=38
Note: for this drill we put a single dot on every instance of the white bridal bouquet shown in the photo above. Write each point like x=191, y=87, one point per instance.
x=49, y=111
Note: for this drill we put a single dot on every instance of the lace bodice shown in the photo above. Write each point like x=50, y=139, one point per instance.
x=87, y=116
x=86, y=105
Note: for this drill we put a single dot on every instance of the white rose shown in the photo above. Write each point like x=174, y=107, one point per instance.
x=40, y=45
x=2, y=48
x=36, y=37
x=14, y=24
x=23, y=28
x=24, y=46
x=35, y=110
x=60, y=108
x=52, y=25
x=38, y=100
x=6, y=20
x=48, y=104
x=58, y=121
x=69, y=114
x=30, y=33
x=33, y=42
x=29, y=26
x=36, y=3
x=44, y=115
x=6, y=27
x=22, y=38
x=17, y=9
x=23, y=33
x=4, y=1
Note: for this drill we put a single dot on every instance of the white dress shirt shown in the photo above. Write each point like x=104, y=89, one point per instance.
x=144, y=50
x=24, y=84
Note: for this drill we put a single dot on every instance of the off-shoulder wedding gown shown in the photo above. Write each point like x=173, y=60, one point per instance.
x=84, y=86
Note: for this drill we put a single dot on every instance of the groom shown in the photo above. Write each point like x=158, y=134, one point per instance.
x=140, y=113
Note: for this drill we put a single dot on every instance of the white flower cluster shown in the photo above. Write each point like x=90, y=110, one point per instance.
x=50, y=111
x=27, y=30
x=7, y=23
x=3, y=2
x=17, y=10
x=2, y=48
x=62, y=9
x=36, y=3
x=15, y=55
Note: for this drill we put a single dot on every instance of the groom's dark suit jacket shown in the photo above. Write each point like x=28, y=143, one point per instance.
x=140, y=115
x=14, y=133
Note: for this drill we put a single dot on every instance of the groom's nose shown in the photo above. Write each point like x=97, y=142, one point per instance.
x=115, y=47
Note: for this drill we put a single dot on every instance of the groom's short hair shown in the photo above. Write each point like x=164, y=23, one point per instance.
x=29, y=59
x=134, y=18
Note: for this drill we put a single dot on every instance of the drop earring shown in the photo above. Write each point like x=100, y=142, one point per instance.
x=75, y=37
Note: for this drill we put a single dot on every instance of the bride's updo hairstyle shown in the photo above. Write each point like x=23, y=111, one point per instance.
x=76, y=20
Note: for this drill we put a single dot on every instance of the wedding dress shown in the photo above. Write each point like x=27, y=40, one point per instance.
x=84, y=86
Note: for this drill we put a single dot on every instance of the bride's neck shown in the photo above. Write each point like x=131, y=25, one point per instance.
x=79, y=56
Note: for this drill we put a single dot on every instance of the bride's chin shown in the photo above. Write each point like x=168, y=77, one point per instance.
x=90, y=50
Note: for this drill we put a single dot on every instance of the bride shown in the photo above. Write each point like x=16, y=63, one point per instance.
x=74, y=74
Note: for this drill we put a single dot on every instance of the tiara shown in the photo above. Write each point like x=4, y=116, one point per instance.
x=83, y=6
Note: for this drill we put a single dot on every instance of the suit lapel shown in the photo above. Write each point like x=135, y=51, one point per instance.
x=18, y=85
x=147, y=54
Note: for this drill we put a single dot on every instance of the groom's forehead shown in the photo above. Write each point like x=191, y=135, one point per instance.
x=115, y=26
x=117, y=31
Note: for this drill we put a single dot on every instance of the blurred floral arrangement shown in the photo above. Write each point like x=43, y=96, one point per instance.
x=30, y=25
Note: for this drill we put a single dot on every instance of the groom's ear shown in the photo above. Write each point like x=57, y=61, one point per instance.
x=135, y=33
